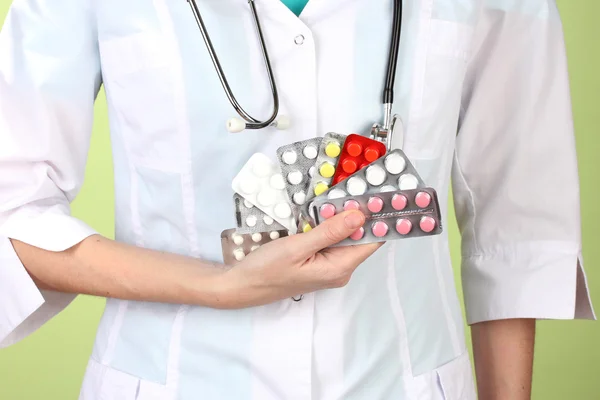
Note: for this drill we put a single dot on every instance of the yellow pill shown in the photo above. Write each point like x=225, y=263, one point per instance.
x=320, y=188
x=306, y=227
x=333, y=150
x=327, y=170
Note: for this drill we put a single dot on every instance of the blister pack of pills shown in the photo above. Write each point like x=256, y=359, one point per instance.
x=389, y=215
x=250, y=219
x=326, y=164
x=297, y=163
x=390, y=173
x=357, y=153
x=236, y=246
x=261, y=183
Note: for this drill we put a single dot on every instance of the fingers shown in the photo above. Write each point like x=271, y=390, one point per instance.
x=330, y=232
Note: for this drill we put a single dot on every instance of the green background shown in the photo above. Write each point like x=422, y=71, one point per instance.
x=50, y=364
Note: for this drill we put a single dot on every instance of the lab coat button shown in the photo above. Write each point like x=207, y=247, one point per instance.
x=299, y=40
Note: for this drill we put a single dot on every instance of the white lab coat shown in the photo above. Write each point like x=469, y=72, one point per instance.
x=482, y=89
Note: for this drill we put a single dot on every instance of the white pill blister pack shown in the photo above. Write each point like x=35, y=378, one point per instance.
x=250, y=219
x=261, y=183
x=236, y=246
x=325, y=164
x=297, y=163
x=390, y=173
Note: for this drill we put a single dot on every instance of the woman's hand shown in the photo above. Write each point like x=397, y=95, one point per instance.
x=297, y=264
x=284, y=268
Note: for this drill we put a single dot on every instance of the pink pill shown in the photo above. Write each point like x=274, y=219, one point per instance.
x=327, y=210
x=427, y=224
x=358, y=234
x=403, y=226
x=375, y=204
x=351, y=205
x=423, y=199
x=380, y=229
x=399, y=202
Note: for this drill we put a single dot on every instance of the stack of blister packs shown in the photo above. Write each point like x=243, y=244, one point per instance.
x=315, y=179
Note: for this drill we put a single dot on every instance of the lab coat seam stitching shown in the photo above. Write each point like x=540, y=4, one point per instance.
x=471, y=200
x=186, y=181
x=451, y=323
x=398, y=313
x=420, y=71
x=541, y=247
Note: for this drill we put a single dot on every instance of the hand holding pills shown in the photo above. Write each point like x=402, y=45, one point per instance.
x=311, y=181
x=299, y=264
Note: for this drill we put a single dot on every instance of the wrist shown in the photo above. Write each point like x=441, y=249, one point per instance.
x=224, y=289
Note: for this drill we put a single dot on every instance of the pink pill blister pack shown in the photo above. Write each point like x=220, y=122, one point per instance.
x=236, y=246
x=392, y=215
x=261, y=183
x=250, y=219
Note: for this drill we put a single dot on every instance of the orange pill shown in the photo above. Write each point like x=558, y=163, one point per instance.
x=349, y=166
x=371, y=154
x=354, y=149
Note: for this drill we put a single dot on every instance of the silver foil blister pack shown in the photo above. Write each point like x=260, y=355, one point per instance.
x=390, y=173
x=236, y=246
x=297, y=163
x=326, y=164
x=250, y=219
x=389, y=216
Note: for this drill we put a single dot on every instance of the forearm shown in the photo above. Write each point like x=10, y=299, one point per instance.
x=503, y=353
x=102, y=267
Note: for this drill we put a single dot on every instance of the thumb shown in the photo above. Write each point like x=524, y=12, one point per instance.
x=330, y=232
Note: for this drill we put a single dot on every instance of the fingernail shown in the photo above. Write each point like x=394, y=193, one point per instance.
x=354, y=220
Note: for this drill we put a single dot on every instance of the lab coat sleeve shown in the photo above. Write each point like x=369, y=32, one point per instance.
x=515, y=173
x=49, y=78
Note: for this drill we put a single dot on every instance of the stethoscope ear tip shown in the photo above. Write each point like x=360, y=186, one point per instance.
x=282, y=123
x=236, y=125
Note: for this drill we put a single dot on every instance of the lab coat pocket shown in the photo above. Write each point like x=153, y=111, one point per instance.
x=104, y=383
x=455, y=379
x=438, y=81
x=144, y=90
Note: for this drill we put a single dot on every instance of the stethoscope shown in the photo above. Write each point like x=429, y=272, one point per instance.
x=392, y=125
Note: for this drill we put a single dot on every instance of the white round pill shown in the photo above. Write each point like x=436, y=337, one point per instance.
x=268, y=220
x=248, y=204
x=266, y=197
x=256, y=237
x=239, y=254
x=375, y=175
x=283, y=210
x=237, y=239
x=408, y=182
x=387, y=188
x=395, y=163
x=289, y=157
x=311, y=171
x=299, y=198
x=336, y=194
x=251, y=221
x=262, y=168
x=310, y=152
x=248, y=186
x=277, y=182
x=274, y=235
x=295, y=177
x=356, y=186
x=255, y=247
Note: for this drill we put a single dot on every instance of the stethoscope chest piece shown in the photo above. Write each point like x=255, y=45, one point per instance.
x=391, y=133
